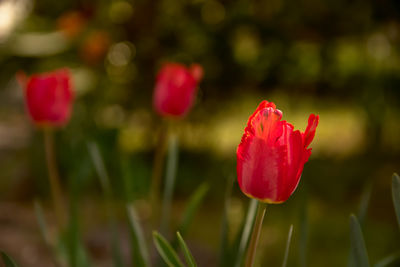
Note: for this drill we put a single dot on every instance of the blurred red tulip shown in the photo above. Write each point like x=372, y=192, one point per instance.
x=49, y=98
x=175, y=89
x=271, y=155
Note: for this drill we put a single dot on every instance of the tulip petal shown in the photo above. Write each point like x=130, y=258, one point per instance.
x=271, y=155
x=49, y=97
x=292, y=161
x=175, y=90
x=260, y=162
x=309, y=134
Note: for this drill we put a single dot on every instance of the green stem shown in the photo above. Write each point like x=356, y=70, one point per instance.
x=158, y=166
x=108, y=194
x=250, y=218
x=255, y=236
x=54, y=178
x=172, y=164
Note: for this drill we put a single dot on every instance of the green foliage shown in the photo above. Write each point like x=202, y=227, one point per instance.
x=248, y=225
x=186, y=252
x=396, y=195
x=392, y=258
x=224, y=253
x=107, y=193
x=289, y=239
x=170, y=177
x=7, y=260
x=42, y=222
x=358, y=250
x=138, y=243
x=193, y=204
x=166, y=251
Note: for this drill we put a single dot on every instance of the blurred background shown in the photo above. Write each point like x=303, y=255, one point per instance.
x=339, y=59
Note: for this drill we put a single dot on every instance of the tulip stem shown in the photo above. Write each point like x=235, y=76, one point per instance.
x=158, y=166
x=255, y=236
x=170, y=177
x=54, y=177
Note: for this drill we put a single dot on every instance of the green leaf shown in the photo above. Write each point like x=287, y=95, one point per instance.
x=224, y=257
x=289, y=239
x=7, y=260
x=358, y=249
x=42, y=222
x=396, y=195
x=166, y=251
x=248, y=225
x=392, y=258
x=107, y=191
x=138, y=243
x=193, y=205
x=364, y=203
x=170, y=177
x=186, y=252
x=100, y=168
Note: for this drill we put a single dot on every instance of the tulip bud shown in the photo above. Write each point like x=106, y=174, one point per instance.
x=271, y=155
x=49, y=98
x=175, y=89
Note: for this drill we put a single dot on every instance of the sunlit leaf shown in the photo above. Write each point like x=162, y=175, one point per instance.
x=396, y=195
x=8, y=262
x=186, y=252
x=193, y=205
x=289, y=239
x=166, y=251
x=358, y=249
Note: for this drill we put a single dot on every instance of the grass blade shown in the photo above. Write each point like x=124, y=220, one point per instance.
x=42, y=223
x=194, y=203
x=100, y=168
x=8, y=262
x=171, y=169
x=358, y=249
x=224, y=246
x=251, y=215
x=107, y=191
x=289, y=239
x=166, y=251
x=364, y=203
x=396, y=195
x=139, y=249
x=392, y=258
x=186, y=252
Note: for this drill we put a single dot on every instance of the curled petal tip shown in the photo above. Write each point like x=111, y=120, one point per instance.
x=309, y=134
x=197, y=71
x=271, y=154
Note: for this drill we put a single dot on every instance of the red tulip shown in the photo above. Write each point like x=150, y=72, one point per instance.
x=175, y=89
x=49, y=98
x=271, y=155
